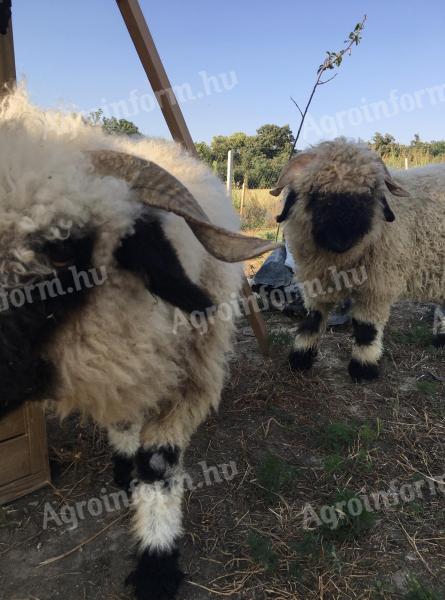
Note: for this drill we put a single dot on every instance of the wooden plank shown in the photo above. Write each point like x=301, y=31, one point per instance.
x=160, y=83
x=151, y=61
x=13, y=426
x=22, y=487
x=7, y=59
x=36, y=427
x=24, y=465
x=16, y=461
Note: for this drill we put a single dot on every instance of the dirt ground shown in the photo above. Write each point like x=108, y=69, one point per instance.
x=288, y=441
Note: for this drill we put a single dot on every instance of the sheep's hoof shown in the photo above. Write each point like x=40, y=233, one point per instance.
x=439, y=340
x=363, y=371
x=157, y=576
x=302, y=360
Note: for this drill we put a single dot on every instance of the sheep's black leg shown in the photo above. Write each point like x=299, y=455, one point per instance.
x=366, y=351
x=157, y=504
x=124, y=439
x=308, y=336
x=439, y=327
x=122, y=470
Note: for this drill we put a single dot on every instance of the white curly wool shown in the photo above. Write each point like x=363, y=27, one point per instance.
x=158, y=515
x=394, y=258
x=124, y=358
x=403, y=258
x=120, y=358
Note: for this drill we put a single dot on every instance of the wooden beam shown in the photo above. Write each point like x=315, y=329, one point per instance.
x=7, y=59
x=151, y=61
x=24, y=466
x=160, y=83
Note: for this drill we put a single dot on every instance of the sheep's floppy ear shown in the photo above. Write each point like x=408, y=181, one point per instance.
x=393, y=186
x=293, y=167
x=387, y=212
x=157, y=188
x=291, y=198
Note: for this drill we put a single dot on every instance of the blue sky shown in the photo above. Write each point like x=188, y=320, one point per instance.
x=79, y=53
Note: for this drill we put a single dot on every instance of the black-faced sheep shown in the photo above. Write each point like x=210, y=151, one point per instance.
x=99, y=250
x=355, y=232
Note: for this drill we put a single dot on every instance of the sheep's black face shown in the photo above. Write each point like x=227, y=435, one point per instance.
x=32, y=312
x=340, y=221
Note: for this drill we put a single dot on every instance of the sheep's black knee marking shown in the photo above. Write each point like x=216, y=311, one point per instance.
x=363, y=371
x=439, y=340
x=364, y=333
x=153, y=464
x=302, y=360
x=311, y=324
x=157, y=575
x=122, y=470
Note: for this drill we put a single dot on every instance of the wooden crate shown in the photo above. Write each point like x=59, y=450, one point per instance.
x=24, y=464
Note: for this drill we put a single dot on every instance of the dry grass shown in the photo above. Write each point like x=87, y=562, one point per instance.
x=295, y=440
x=281, y=434
x=259, y=209
x=416, y=158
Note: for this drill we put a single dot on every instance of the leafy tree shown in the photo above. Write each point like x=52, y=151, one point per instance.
x=272, y=140
x=437, y=148
x=258, y=159
x=418, y=152
x=383, y=144
x=112, y=125
x=204, y=152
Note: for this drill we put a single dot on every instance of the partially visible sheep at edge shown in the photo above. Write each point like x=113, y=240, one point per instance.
x=356, y=232
x=73, y=203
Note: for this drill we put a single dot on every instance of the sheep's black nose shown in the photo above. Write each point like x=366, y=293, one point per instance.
x=338, y=236
x=340, y=221
x=338, y=245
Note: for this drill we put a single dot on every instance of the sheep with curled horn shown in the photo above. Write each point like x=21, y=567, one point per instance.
x=107, y=245
x=358, y=231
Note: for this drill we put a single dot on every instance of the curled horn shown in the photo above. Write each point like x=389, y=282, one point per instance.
x=158, y=188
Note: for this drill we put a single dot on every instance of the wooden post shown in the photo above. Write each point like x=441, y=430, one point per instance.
x=24, y=463
x=243, y=198
x=7, y=60
x=154, y=69
x=406, y=163
x=157, y=76
x=229, y=181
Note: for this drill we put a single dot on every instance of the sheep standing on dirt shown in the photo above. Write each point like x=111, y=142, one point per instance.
x=339, y=225
x=75, y=203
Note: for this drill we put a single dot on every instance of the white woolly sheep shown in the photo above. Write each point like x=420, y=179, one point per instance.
x=351, y=241
x=102, y=254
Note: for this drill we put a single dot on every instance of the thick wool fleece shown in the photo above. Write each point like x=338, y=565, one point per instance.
x=401, y=258
x=118, y=359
